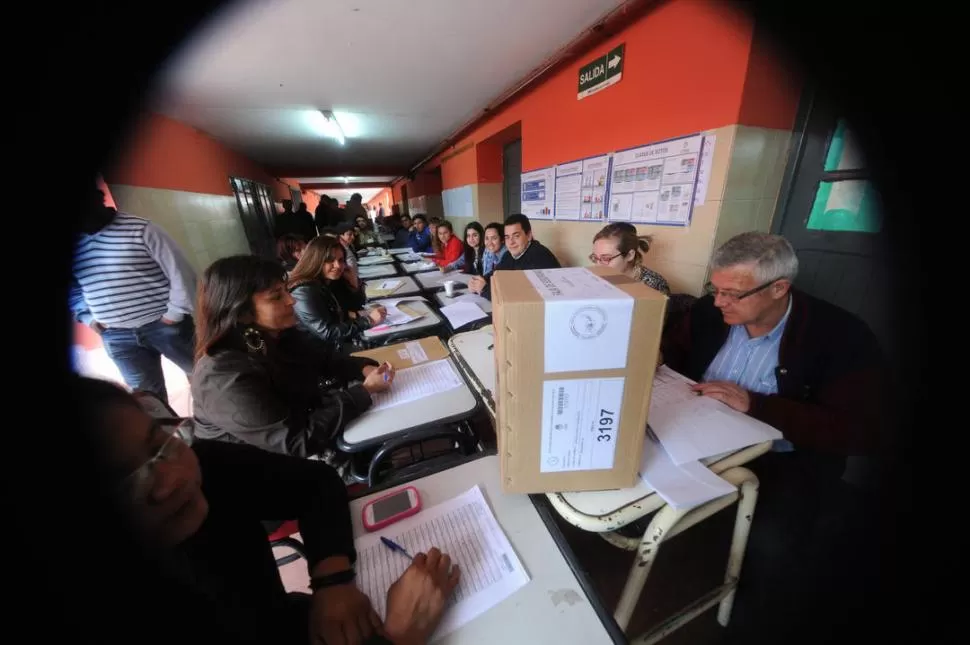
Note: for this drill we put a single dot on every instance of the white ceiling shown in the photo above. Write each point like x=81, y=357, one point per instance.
x=400, y=75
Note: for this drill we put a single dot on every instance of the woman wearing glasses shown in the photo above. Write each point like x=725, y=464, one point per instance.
x=617, y=245
x=201, y=508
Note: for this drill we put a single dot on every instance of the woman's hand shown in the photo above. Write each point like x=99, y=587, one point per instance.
x=377, y=315
x=342, y=615
x=476, y=284
x=417, y=600
x=380, y=379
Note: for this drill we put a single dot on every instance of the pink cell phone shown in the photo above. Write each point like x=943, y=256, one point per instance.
x=390, y=508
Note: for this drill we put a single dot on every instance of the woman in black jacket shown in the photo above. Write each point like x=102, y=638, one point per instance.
x=258, y=378
x=329, y=298
x=199, y=510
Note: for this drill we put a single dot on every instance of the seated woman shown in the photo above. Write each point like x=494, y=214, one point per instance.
x=258, y=378
x=330, y=299
x=494, y=247
x=617, y=245
x=470, y=260
x=447, y=247
x=200, y=507
x=419, y=239
x=347, y=234
x=289, y=248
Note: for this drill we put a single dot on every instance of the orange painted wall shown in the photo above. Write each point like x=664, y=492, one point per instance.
x=684, y=71
x=164, y=153
x=425, y=183
x=382, y=198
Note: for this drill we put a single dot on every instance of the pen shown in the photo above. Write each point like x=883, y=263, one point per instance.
x=385, y=373
x=490, y=346
x=394, y=546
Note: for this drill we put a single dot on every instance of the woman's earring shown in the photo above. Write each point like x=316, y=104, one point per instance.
x=254, y=340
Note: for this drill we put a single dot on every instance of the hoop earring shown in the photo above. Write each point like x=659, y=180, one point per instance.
x=254, y=340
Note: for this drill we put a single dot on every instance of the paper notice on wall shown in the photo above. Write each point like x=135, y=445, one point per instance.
x=704, y=173
x=580, y=422
x=587, y=320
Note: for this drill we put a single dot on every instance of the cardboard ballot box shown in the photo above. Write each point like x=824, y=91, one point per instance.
x=575, y=351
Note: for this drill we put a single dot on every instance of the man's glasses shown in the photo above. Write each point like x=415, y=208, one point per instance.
x=603, y=259
x=734, y=296
x=139, y=483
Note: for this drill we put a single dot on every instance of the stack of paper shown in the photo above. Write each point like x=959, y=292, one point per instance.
x=384, y=288
x=461, y=313
x=418, y=266
x=473, y=298
x=418, y=382
x=465, y=529
x=374, y=259
x=403, y=249
x=682, y=486
x=692, y=427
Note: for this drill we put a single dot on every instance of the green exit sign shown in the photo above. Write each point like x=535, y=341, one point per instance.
x=601, y=73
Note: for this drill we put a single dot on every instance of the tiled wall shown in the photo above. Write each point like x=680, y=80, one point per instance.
x=206, y=227
x=758, y=160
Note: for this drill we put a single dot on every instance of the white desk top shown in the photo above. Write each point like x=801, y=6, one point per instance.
x=381, y=425
x=437, y=279
x=552, y=607
x=472, y=346
x=408, y=287
x=379, y=271
x=430, y=318
x=603, y=502
x=444, y=300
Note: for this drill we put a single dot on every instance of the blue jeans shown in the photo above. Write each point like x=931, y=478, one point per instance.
x=138, y=352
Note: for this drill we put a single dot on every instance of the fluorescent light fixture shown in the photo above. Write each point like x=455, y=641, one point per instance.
x=323, y=122
x=346, y=180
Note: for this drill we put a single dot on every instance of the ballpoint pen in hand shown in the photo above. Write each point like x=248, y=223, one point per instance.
x=394, y=546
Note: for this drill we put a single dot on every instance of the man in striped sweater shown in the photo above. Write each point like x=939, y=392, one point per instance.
x=135, y=288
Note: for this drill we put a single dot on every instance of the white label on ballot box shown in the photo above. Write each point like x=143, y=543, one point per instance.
x=587, y=320
x=580, y=420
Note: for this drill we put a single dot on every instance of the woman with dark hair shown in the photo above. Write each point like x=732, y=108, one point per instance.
x=447, y=247
x=200, y=507
x=330, y=299
x=347, y=234
x=470, y=260
x=289, y=248
x=261, y=380
x=619, y=246
x=494, y=242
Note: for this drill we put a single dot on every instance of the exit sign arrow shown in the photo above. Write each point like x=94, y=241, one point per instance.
x=601, y=73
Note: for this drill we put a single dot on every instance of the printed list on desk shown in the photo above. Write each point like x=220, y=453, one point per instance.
x=418, y=382
x=464, y=528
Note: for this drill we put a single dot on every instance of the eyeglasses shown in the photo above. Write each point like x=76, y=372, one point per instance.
x=139, y=483
x=734, y=296
x=603, y=259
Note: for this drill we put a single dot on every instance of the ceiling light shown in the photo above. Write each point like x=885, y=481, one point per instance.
x=325, y=123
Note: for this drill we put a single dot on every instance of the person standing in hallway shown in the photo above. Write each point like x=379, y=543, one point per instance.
x=355, y=208
x=133, y=286
x=524, y=252
x=303, y=222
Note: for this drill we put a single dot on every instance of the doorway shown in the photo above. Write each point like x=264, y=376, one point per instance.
x=830, y=212
x=512, y=177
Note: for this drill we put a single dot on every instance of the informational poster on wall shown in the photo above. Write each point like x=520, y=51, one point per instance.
x=704, y=172
x=581, y=189
x=458, y=202
x=418, y=205
x=655, y=184
x=539, y=193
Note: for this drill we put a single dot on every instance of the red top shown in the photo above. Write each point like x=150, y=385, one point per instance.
x=452, y=251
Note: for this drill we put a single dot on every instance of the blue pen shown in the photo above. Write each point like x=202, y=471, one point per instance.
x=394, y=546
x=385, y=376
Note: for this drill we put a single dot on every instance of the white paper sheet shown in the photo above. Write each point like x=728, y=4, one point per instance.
x=464, y=528
x=417, y=266
x=418, y=382
x=684, y=486
x=396, y=317
x=460, y=314
x=474, y=299
x=371, y=260
x=416, y=352
x=402, y=249
x=693, y=427
x=587, y=320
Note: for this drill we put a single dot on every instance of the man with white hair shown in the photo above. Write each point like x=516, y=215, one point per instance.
x=800, y=364
x=814, y=372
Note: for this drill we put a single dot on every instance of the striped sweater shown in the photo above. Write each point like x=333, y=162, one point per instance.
x=129, y=274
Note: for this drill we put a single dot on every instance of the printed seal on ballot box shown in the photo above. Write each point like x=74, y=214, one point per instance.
x=588, y=322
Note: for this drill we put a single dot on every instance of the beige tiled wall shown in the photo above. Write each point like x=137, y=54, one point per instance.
x=206, y=227
x=758, y=160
